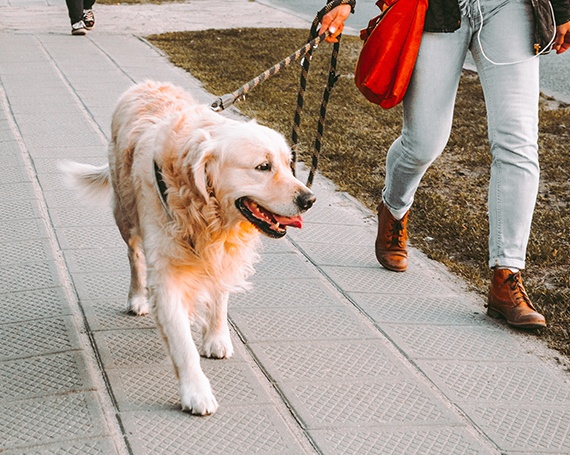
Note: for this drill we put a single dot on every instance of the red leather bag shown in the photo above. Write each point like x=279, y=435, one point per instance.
x=391, y=45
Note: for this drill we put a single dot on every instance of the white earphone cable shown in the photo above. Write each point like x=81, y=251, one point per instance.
x=519, y=61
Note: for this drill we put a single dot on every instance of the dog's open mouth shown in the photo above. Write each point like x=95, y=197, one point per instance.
x=271, y=224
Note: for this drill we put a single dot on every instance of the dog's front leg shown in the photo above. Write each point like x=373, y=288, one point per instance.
x=172, y=319
x=216, y=340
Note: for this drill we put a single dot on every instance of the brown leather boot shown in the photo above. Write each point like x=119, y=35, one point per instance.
x=509, y=300
x=391, y=240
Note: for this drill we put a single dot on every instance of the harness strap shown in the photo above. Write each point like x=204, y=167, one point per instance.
x=160, y=186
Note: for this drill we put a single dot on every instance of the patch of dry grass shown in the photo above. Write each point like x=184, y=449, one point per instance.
x=448, y=220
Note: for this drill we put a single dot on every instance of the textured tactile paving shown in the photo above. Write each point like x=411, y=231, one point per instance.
x=146, y=388
x=87, y=237
x=18, y=210
x=91, y=446
x=49, y=419
x=21, y=229
x=322, y=404
x=242, y=429
x=282, y=266
x=25, y=251
x=39, y=376
x=82, y=216
x=352, y=279
x=132, y=348
x=412, y=441
x=459, y=343
x=421, y=310
x=334, y=235
x=39, y=303
x=98, y=260
x=28, y=277
x=497, y=382
x=299, y=323
x=328, y=361
x=37, y=337
x=526, y=428
x=111, y=314
x=17, y=191
x=341, y=255
x=276, y=294
x=96, y=286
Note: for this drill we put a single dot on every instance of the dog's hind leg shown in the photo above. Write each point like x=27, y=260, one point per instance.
x=138, y=301
x=172, y=319
x=216, y=340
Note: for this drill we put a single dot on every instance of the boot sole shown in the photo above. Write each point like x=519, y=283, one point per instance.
x=496, y=315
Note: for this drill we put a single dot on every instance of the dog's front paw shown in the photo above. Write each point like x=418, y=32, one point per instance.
x=218, y=347
x=138, y=305
x=198, y=400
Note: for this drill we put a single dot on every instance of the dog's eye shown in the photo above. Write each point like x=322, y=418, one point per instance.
x=264, y=167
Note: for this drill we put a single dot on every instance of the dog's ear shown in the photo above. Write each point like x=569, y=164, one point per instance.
x=200, y=171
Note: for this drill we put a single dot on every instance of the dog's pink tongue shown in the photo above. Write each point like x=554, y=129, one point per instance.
x=293, y=221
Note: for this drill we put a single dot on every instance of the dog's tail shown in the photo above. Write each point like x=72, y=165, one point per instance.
x=91, y=182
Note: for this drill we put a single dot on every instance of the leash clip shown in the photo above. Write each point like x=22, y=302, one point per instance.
x=223, y=102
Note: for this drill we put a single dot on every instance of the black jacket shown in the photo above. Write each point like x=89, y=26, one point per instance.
x=444, y=16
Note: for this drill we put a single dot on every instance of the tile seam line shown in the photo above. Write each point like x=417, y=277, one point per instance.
x=59, y=260
x=482, y=436
x=274, y=384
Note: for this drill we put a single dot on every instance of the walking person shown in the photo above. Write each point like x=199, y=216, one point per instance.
x=500, y=36
x=81, y=16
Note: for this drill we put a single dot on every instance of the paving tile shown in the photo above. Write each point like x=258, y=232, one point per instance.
x=17, y=191
x=329, y=360
x=300, y=323
x=84, y=446
x=18, y=209
x=284, y=293
x=25, y=251
x=33, y=304
x=35, y=377
x=26, y=277
x=456, y=343
x=111, y=314
x=401, y=401
x=132, y=349
x=98, y=260
x=497, y=382
x=379, y=280
x=527, y=428
x=50, y=419
x=89, y=237
x=341, y=255
x=84, y=215
x=283, y=266
x=14, y=230
x=334, y=234
x=401, y=309
x=243, y=429
x=410, y=441
x=154, y=388
x=96, y=286
x=37, y=337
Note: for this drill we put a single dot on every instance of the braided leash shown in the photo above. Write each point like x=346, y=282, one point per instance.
x=305, y=52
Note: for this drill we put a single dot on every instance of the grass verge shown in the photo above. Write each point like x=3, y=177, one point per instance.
x=448, y=219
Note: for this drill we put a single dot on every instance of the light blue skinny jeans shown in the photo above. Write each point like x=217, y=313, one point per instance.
x=511, y=98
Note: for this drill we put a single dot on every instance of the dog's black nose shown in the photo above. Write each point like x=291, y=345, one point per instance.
x=305, y=200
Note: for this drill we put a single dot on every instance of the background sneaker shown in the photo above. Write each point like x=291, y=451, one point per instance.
x=88, y=18
x=78, y=28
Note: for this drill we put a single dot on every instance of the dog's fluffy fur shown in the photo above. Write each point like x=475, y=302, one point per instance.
x=192, y=244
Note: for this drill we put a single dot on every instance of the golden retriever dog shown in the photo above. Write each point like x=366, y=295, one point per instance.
x=190, y=191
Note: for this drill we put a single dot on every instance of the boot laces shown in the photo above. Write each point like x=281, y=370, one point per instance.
x=514, y=280
x=397, y=233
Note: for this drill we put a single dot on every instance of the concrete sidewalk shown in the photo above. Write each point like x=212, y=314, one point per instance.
x=334, y=355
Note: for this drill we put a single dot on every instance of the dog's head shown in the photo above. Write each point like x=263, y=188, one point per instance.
x=247, y=168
